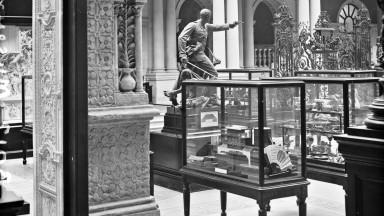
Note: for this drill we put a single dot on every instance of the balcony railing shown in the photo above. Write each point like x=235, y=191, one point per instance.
x=264, y=55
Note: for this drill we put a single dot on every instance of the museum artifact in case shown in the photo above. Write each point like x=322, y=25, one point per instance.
x=234, y=141
x=332, y=106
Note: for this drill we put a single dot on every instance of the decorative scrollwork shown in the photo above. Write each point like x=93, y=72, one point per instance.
x=362, y=40
x=284, y=27
x=302, y=48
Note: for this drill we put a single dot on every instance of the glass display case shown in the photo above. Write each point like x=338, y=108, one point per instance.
x=233, y=131
x=27, y=114
x=244, y=73
x=336, y=73
x=333, y=105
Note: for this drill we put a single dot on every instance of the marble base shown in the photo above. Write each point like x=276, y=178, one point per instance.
x=137, y=207
x=161, y=82
x=118, y=161
x=131, y=98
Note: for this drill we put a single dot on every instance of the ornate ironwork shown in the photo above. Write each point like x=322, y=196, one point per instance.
x=345, y=49
x=302, y=54
x=324, y=48
x=362, y=39
x=284, y=28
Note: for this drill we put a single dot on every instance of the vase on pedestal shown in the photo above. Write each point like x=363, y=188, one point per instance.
x=126, y=82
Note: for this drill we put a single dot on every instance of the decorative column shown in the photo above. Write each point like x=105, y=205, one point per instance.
x=249, y=54
x=118, y=143
x=303, y=11
x=314, y=12
x=219, y=45
x=233, y=57
x=138, y=6
x=158, y=36
x=170, y=38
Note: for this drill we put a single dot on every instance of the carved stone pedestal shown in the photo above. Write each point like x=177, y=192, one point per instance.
x=119, y=161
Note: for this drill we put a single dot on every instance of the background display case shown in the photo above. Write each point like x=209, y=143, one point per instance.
x=332, y=105
x=251, y=73
x=336, y=73
x=234, y=141
x=27, y=117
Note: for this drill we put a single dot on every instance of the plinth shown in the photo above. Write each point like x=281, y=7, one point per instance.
x=119, y=182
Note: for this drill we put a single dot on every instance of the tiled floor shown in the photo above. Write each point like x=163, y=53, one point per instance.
x=324, y=199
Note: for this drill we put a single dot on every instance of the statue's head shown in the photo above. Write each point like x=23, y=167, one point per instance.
x=205, y=15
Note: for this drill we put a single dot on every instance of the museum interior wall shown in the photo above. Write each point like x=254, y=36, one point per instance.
x=161, y=27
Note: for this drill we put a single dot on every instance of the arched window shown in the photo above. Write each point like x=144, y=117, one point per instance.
x=347, y=17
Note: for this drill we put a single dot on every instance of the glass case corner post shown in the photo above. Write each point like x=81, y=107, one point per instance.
x=303, y=130
x=184, y=122
x=346, y=107
x=262, y=162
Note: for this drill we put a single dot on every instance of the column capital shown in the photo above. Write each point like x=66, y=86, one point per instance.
x=138, y=6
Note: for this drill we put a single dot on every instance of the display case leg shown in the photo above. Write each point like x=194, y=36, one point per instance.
x=346, y=200
x=302, y=205
x=186, y=196
x=24, y=152
x=268, y=207
x=263, y=208
x=223, y=199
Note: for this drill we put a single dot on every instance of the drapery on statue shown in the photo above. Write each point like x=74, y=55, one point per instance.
x=192, y=42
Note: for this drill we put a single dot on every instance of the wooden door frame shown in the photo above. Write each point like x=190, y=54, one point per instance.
x=75, y=107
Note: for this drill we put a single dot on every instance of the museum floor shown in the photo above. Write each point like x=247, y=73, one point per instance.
x=324, y=199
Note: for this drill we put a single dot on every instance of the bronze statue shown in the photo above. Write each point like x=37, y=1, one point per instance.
x=195, y=34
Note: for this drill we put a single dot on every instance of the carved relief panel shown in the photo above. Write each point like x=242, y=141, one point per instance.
x=48, y=118
x=118, y=162
x=101, y=53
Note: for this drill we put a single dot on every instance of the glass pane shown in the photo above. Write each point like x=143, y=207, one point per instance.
x=361, y=96
x=203, y=120
x=324, y=118
x=220, y=139
x=282, y=134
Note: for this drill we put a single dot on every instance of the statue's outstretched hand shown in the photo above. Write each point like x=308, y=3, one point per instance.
x=234, y=24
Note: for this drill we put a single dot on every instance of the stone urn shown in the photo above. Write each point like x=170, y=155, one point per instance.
x=126, y=82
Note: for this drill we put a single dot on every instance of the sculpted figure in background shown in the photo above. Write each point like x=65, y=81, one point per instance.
x=195, y=35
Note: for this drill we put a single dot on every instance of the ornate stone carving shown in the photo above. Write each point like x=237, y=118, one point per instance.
x=48, y=116
x=50, y=206
x=126, y=35
x=49, y=169
x=118, y=162
x=126, y=45
x=101, y=36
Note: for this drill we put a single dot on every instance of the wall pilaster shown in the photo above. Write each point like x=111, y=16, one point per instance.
x=170, y=37
x=219, y=47
x=249, y=55
x=158, y=36
x=303, y=11
x=233, y=57
x=314, y=12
